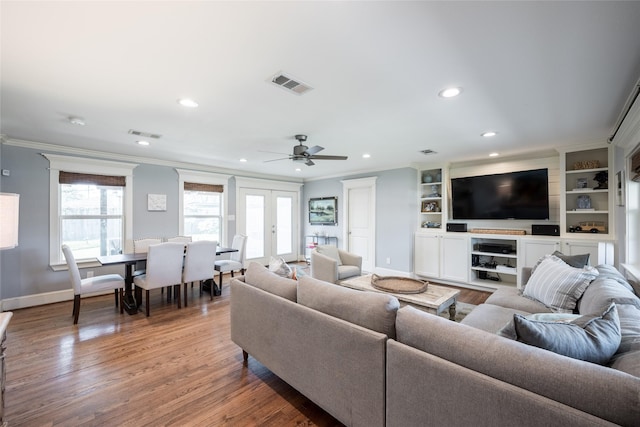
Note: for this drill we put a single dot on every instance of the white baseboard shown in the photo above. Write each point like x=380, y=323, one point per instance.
x=42, y=299
x=388, y=272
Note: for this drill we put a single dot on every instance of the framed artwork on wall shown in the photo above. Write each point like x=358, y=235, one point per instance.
x=156, y=202
x=323, y=211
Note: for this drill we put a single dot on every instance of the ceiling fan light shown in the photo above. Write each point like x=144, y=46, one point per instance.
x=186, y=102
x=450, y=92
x=488, y=134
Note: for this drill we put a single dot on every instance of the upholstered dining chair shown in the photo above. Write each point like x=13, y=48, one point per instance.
x=199, y=259
x=180, y=239
x=164, y=268
x=90, y=284
x=236, y=259
x=331, y=264
x=141, y=246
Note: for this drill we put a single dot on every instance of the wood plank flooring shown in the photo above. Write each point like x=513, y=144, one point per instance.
x=175, y=368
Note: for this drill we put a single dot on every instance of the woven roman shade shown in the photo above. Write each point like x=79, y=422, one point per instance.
x=211, y=188
x=87, y=178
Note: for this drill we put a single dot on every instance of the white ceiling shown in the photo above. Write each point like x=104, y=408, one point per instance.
x=542, y=74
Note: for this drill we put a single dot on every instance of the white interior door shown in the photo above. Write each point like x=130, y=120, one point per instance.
x=359, y=196
x=268, y=218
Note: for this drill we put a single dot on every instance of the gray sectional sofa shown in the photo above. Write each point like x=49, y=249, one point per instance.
x=369, y=363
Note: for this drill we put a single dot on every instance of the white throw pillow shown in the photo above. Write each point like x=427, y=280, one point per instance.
x=558, y=285
x=280, y=267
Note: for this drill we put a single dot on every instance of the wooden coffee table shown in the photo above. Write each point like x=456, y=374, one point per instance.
x=435, y=299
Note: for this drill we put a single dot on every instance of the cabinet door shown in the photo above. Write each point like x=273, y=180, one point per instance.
x=533, y=250
x=427, y=255
x=599, y=252
x=455, y=258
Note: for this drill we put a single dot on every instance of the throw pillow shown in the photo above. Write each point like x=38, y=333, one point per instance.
x=592, y=338
x=558, y=285
x=577, y=261
x=509, y=330
x=280, y=267
x=330, y=251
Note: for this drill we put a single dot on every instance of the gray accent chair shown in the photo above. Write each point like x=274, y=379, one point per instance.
x=331, y=264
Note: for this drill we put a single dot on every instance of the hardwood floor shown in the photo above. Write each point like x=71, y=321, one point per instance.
x=177, y=367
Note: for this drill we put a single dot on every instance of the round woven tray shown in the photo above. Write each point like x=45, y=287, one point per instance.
x=398, y=285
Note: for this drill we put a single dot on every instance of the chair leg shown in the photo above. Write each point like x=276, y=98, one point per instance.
x=115, y=291
x=76, y=309
x=147, y=298
x=186, y=303
x=220, y=280
x=176, y=289
x=121, y=299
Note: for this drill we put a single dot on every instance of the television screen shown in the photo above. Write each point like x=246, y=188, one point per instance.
x=513, y=195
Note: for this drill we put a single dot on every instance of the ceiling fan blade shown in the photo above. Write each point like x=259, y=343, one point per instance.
x=313, y=150
x=321, y=157
x=309, y=163
x=275, y=160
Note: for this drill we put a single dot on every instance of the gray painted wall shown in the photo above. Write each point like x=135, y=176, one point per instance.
x=396, y=214
x=152, y=179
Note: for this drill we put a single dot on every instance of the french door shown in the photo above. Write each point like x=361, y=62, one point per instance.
x=269, y=219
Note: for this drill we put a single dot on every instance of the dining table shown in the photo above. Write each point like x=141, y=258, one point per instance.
x=130, y=303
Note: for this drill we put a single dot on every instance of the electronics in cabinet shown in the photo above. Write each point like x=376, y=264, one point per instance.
x=457, y=227
x=545, y=230
x=495, y=248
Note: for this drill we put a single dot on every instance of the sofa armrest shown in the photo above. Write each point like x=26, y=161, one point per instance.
x=348, y=258
x=323, y=267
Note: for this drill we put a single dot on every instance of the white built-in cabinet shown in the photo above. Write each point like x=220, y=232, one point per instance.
x=432, y=198
x=442, y=256
x=532, y=249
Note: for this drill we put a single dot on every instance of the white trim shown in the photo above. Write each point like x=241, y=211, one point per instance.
x=266, y=184
x=185, y=175
x=44, y=298
x=86, y=165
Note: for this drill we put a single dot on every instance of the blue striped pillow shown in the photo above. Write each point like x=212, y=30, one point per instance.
x=557, y=285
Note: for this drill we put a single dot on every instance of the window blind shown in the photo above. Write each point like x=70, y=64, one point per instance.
x=87, y=178
x=211, y=188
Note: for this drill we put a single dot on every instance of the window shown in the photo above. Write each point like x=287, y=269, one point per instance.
x=203, y=205
x=202, y=211
x=90, y=204
x=91, y=214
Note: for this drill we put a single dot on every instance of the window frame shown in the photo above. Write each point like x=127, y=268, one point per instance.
x=59, y=163
x=185, y=175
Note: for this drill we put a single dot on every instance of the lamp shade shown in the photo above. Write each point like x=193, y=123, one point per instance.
x=9, y=213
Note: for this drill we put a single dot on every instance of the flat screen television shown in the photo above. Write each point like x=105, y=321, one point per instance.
x=513, y=195
x=323, y=211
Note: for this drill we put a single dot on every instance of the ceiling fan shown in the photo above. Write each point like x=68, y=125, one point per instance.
x=306, y=155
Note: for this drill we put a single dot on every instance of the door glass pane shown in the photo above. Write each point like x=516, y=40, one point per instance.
x=284, y=226
x=255, y=206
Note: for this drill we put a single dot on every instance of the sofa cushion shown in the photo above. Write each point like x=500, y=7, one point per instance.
x=592, y=338
x=371, y=310
x=346, y=271
x=330, y=251
x=558, y=285
x=577, y=261
x=490, y=318
x=628, y=362
x=259, y=276
x=511, y=297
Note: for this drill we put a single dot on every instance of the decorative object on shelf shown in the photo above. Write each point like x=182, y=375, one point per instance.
x=438, y=177
x=583, y=202
x=398, y=285
x=430, y=224
x=434, y=191
x=430, y=206
x=581, y=183
x=589, y=227
x=620, y=188
x=602, y=178
x=587, y=164
x=427, y=178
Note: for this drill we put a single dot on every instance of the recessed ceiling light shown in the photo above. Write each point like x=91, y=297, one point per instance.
x=494, y=154
x=243, y=160
x=76, y=121
x=450, y=92
x=186, y=102
x=142, y=142
x=298, y=170
x=489, y=134
x=366, y=156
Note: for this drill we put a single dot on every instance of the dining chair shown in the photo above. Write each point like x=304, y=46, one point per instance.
x=164, y=268
x=141, y=246
x=199, y=259
x=236, y=259
x=90, y=284
x=180, y=239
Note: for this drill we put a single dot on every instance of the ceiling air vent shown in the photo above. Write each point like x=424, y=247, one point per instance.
x=427, y=152
x=144, y=134
x=291, y=84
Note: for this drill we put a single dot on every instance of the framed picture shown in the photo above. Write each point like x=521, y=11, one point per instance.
x=581, y=183
x=323, y=211
x=157, y=202
x=620, y=188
